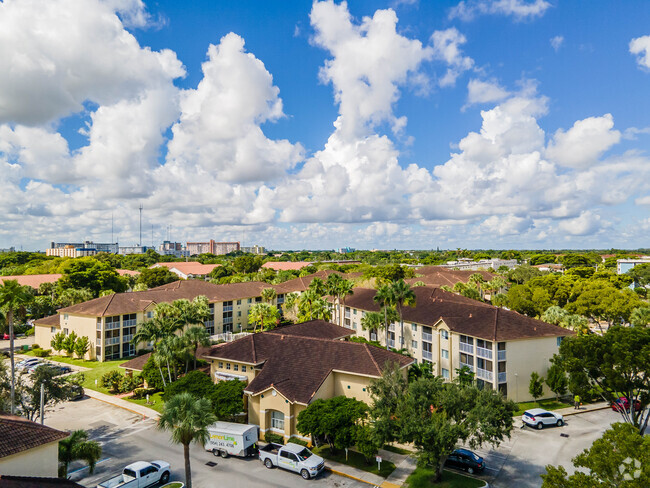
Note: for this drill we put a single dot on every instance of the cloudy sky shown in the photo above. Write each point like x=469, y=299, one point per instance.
x=370, y=124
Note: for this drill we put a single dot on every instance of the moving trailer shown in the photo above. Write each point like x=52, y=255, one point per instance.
x=228, y=438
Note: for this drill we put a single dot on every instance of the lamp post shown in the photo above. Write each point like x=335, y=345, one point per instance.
x=516, y=388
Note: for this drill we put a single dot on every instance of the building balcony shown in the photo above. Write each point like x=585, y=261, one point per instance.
x=347, y=314
x=484, y=353
x=98, y=341
x=127, y=338
x=391, y=343
x=391, y=328
x=427, y=337
x=501, y=355
x=466, y=348
x=427, y=355
x=502, y=378
x=209, y=323
x=112, y=326
x=484, y=374
x=465, y=365
x=129, y=323
x=99, y=326
x=112, y=340
x=227, y=320
x=227, y=308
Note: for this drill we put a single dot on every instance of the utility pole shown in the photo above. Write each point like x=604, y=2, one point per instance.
x=42, y=403
x=140, y=242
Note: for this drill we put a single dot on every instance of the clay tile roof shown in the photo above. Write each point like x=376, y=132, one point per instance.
x=310, y=352
x=286, y=265
x=18, y=434
x=51, y=320
x=35, y=482
x=439, y=276
x=137, y=363
x=314, y=328
x=130, y=272
x=32, y=280
x=188, y=267
x=302, y=283
x=463, y=315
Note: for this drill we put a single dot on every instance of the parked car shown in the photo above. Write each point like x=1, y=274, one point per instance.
x=539, y=418
x=139, y=475
x=76, y=392
x=5, y=336
x=292, y=457
x=623, y=403
x=228, y=438
x=61, y=369
x=27, y=363
x=466, y=460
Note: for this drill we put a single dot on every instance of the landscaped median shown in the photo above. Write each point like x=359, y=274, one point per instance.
x=355, y=460
x=424, y=478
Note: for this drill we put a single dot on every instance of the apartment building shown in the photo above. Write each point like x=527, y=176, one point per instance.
x=211, y=247
x=450, y=331
x=288, y=368
x=176, y=249
x=110, y=321
x=79, y=249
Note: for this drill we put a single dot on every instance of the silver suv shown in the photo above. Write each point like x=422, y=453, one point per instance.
x=539, y=418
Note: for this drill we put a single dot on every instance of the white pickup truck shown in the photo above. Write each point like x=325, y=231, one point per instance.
x=292, y=457
x=139, y=475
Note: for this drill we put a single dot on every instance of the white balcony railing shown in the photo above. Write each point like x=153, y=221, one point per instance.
x=391, y=328
x=427, y=337
x=484, y=353
x=127, y=338
x=99, y=326
x=484, y=374
x=502, y=378
x=227, y=308
x=229, y=336
x=112, y=325
x=391, y=343
x=98, y=341
x=112, y=340
x=209, y=323
x=129, y=323
x=501, y=355
x=463, y=365
x=427, y=355
x=466, y=348
x=227, y=320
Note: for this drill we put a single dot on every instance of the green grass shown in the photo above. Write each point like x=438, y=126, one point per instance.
x=156, y=397
x=550, y=404
x=423, y=478
x=397, y=450
x=173, y=484
x=355, y=460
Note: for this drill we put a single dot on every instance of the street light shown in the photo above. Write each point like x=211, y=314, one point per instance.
x=516, y=388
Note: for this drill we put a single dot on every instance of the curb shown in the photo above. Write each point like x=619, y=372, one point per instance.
x=341, y=473
x=604, y=407
x=120, y=406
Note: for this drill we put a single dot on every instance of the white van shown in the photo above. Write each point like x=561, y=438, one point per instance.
x=228, y=438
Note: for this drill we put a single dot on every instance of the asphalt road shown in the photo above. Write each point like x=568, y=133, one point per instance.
x=126, y=437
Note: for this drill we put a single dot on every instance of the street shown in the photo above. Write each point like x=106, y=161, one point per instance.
x=126, y=437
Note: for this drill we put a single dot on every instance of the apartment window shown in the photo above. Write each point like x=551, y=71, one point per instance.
x=250, y=300
x=53, y=330
x=444, y=354
x=220, y=365
x=227, y=365
x=444, y=334
x=414, y=344
x=467, y=359
x=235, y=367
x=485, y=364
x=354, y=311
x=484, y=344
x=129, y=320
x=277, y=420
x=466, y=340
x=149, y=315
x=414, y=327
x=445, y=373
x=559, y=341
x=238, y=302
x=65, y=331
x=238, y=313
x=258, y=299
x=243, y=368
x=65, y=316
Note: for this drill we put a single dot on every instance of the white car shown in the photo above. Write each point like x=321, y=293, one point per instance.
x=539, y=418
x=27, y=363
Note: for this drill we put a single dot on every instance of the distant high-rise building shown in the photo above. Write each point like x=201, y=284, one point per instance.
x=254, y=249
x=133, y=249
x=212, y=247
x=78, y=249
x=168, y=248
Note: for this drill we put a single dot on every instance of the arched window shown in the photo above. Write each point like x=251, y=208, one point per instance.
x=277, y=420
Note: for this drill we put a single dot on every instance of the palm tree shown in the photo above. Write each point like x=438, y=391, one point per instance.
x=554, y=315
x=577, y=323
x=307, y=300
x=332, y=285
x=153, y=331
x=77, y=447
x=478, y=280
x=320, y=310
x=385, y=298
x=403, y=296
x=343, y=289
x=498, y=283
x=318, y=286
x=640, y=316
x=373, y=321
x=268, y=295
x=194, y=337
x=260, y=313
x=289, y=307
x=190, y=313
x=13, y=297
x=187, y=418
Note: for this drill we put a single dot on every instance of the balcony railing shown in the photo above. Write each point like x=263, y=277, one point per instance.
x=127, y=338
x=391, y=343
x=98, y=341
x=484, y=353
x=227, y=320
x=470, y=366
x=209, y=323
x=347, y=314
x=502, y=378
x=112, y=340
x=112, y=325
x=501, y=355
x=427, y=355
x=99, y=326
x=373, y=337
x=484, y=374
x=227, y=308
x=466, y=348
x=229, y=336
x=391, y=328
x=129, y=323
x=427, y=337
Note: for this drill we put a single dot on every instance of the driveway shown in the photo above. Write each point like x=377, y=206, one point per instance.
x=125, y=438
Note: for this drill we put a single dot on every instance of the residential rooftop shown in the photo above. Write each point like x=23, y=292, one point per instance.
x=18, y=434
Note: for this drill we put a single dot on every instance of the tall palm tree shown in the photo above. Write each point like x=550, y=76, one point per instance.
x=153, y=331
x=194, y=337
x=259, y=313
x=640, y=316
x=190, y=313
x=187, y=418
x=373, y=321
x=306, y=302
x=385, y=298
x=332, y=285
x=268, y=295
x=343, y=289
x=403, y=296
x=13, y=297
x=77, y=447
x=478, y=280
x=318, y=286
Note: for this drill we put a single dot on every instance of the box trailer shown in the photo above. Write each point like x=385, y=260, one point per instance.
x=229, y=438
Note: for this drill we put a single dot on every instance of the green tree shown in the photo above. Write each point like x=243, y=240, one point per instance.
x=464, y=376
x=385, y=298
x=620, y=458
x=92, y=274
x=264, y=315
x=536, y=259
x=247, y=263
x=640, y=316
x=290, y=307
x=556, y=380
x=614, y=364
x=72, y=296
x=28, y=393
x=153, y=277
x=640, y=274
x=404, y=297
x=536, y=385
x=112, y=380
x=187, y=418
x=268, y=295
x=522, y=274
x=228, y=399
x=195, y=337
x=77, y=447
x=386, y=393
x=57, y=341
x=554, y=315
x=152, y=331
x=13, y=298
x=81, y=346
x=318, y=286
x=69, y=342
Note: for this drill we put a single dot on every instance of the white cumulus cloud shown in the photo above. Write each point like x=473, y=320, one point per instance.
x=519, y=9
x=556, y=42
x=479, y=91
x=446, y=47
x=641, y=47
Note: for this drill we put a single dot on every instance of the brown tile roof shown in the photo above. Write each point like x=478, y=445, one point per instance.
x=463, y=315
x=32, y=280
x=314, y=328
x=137, y=363
x=188, y=267
x=50, y=321
x=132, y=302
x=18, y=434
x=438, y=276
x=302, y=283
x=286, y=265
x=297, y=365
x=35, y=482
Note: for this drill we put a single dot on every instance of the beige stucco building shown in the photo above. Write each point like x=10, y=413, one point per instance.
x=501, y=347
x=288, y=368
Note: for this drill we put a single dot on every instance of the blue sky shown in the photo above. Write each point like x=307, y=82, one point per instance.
x=479, y=124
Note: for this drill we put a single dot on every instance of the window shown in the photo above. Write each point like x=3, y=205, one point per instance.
x=444, y=354
x=466, y=340
x=65, y=316
x=414, y=344
x=235, y=367
x=250, y=300
x=65, y=331
x=149, y=315
x=444, y=334
x=466, y=359
x=414, y=327
x=238, y=302
x=53, y=330
x=243, y=368
x=484, y=344
x=445, y=373
x=227, y=365
x=277, y=420
x=220, y=365
x=238, y=313
x=354, y=311
x=559, y=341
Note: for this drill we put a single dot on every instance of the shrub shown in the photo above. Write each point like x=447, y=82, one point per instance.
x=275, y=438
x=139, y=393
x=130, y=383
x=35, y=346
x=81, y=346
x=195, y=382
x=57, y=341
x=30, y=332
x=42, y=353
x=69, y=342
x=112, y=380
x=296, y=440
x=151, y=375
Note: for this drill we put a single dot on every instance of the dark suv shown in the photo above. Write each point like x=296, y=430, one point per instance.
x=467, y=460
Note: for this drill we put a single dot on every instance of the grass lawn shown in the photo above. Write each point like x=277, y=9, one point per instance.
x=423, y=478
x=397, y=450
x=355, y=460
x=550, y=404
x=156, y=398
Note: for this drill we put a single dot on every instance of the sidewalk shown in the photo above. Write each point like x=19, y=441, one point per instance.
x=118, y=402
x=404, y=467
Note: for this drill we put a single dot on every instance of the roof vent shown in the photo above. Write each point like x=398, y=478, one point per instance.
x=470, y=315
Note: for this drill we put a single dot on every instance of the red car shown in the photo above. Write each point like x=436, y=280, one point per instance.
x=6, y=336
x=623, y=403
